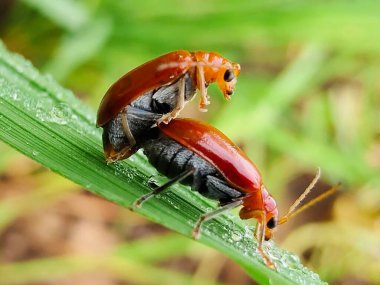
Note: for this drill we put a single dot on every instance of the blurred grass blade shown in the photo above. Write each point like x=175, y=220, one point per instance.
x=68, y=14
x=287, y=87
x=79, y=47
x=334, y=163
x=61, y=267
x=47, y=123
x=146, y=250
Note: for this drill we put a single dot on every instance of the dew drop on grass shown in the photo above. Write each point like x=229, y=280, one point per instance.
x=35, y=152
x=152, y=182
x=289, y=265
x=125, y=171
x=130, y=172
x=171, y=202
x=60, y=114
x=118, y=169
x=42, y=108
x=292, y=260
x=132, y=158
x=236, y=236
x=48, y=111
x=15, y=96
x=314, y=276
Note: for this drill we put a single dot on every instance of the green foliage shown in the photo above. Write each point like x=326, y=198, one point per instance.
x=47, y=123
x=308, y=96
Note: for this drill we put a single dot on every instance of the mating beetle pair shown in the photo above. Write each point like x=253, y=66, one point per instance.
x=139, y=111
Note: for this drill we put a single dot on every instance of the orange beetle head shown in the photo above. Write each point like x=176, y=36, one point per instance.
x=261, y=207
x=227, y=78
x=218, y=69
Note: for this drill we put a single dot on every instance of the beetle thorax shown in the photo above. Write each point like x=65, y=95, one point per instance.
x=257, y=203
x=212, y=64
x=270, y=205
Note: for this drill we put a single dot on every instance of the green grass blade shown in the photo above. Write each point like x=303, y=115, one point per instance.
x=61, y=267
x=283, y=92
x=49, y=124
x=72, y=52
x=68, y=14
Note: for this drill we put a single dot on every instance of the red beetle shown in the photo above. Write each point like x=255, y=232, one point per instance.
x=156, y=92
x=199, y=155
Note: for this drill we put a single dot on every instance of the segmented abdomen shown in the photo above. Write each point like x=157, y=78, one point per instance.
x=171, y=159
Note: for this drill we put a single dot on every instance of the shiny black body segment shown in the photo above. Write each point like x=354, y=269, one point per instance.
x=144, y=112
x=171, y=159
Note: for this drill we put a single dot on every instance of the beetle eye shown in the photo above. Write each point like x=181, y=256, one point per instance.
x=272, y=223
x=229, y=75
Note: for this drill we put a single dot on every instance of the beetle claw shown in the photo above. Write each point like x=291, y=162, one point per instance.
x=202, y=109
x=168, y=117
x=195, y=233
x=165, y=119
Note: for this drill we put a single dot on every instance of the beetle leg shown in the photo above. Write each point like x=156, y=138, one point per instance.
x=179, y=106
x=180, y=98
x=126, y=129
x=162, y=188
x=202, y=88
x=208, y=216
x=257, y=230
x=260, y=236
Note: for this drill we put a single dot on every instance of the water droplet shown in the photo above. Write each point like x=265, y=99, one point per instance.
x=35, y=152
x=205, y=231
x=152, y=182
x=60, y=114
x=130, y=172
x=225, y=236
x=314, y=276
x=169, y=201
x=118, y=169
x=15, y=96
x=176, y=206
x=292, y=259
x=41, y=108
x=132, y=158
x=236, y=236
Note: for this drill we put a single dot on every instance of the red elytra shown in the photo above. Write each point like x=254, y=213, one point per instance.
x=215, y=147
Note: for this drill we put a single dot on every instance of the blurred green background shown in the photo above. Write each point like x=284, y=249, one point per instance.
x=308, y=96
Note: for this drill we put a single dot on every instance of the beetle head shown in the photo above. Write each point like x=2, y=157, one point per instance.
x=227, y=78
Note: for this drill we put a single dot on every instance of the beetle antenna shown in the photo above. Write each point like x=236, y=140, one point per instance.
x=293, y=208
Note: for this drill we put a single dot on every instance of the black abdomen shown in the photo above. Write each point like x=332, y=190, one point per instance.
x=144, y=112
x=171, y=159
